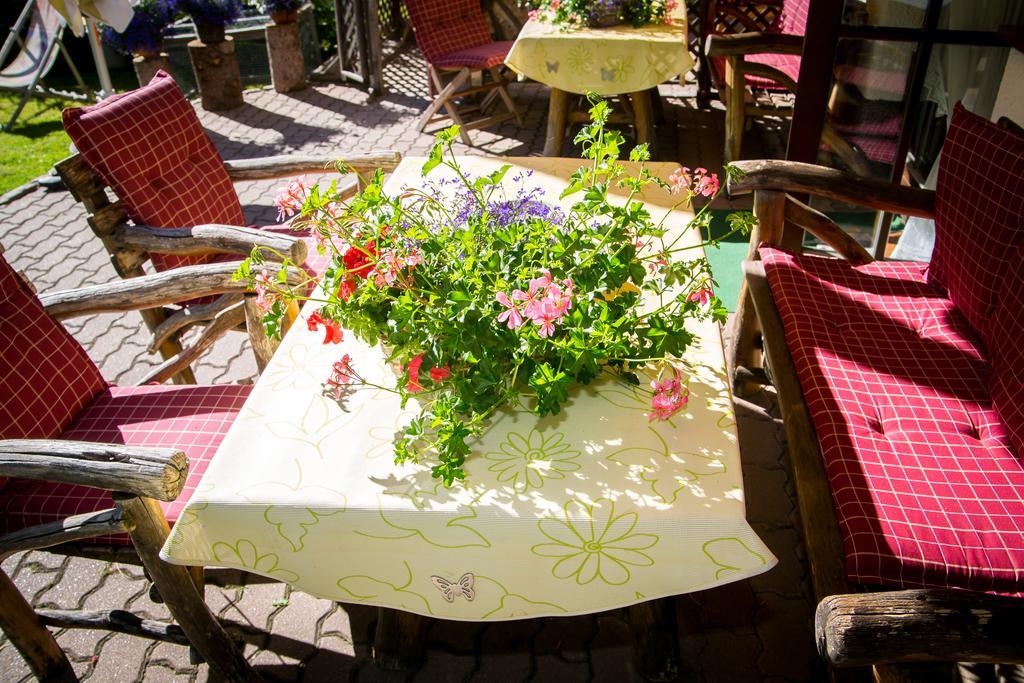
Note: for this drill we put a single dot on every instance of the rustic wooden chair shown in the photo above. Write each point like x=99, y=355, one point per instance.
x=885, y=599
x=456, y=42
x=82, y=462
x=176, y=204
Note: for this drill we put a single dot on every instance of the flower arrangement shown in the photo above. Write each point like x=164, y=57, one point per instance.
x=485, y=297
x=596, y=13
x=282, y=11
x=145, y=32
x=212, y=12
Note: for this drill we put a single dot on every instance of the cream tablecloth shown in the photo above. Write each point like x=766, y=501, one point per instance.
x=608, y=61
x=590, y=510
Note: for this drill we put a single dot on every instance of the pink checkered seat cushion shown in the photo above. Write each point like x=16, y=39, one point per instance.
x=192, y=418
x=445, y=27
x=927, y=488
x=787, y=64
x=480, y=57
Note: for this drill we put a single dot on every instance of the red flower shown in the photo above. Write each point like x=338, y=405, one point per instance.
x=414, y=386
x=332, y=329
x=347, y=288
x=359, y=260
x=440, y=374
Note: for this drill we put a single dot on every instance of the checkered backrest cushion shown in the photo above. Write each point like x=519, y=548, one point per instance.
x=149, y=146
x=793, y=18
x=45, y=375
x=979, y=215
x=446, y=26
x=1006, y=378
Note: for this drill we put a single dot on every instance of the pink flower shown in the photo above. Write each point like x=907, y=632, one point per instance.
x=414, y=258
x=342, y=374
x=532, y=299
x=533, y=14
x=511, y=312
x=679, y=180
x=555, y=4
x=265, y=295
x=705, y=183
x=289, y=199
x=669, y=398
x=545, y=318
x=440, y=374
x=414, y=386
x=332, y=329
x=701, y=296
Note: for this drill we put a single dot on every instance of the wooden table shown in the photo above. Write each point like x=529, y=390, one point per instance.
x=593, y=509
x=620, y=60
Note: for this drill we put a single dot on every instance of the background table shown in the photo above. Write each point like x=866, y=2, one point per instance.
x=609, y=61
x=593, y=509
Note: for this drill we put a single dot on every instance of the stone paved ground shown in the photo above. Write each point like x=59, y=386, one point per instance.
x=747, y=631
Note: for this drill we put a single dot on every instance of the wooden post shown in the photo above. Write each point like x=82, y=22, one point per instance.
x=217, y=74
x=398, y=643
x=146, y=67
x=735, y=107
x=556, y=122
x=149, y=531
x=263, y=347
x=644, y=118
x=284, y=49
x=655, y=639
x=34, y=641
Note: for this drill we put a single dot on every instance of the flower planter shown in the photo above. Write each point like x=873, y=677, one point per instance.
x=146, y=64
x=210, y=34
x=284, y=16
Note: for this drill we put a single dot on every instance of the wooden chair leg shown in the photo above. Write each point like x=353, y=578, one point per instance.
x=505, y=97
x=149, y=529
x=398, y=642
x=435, y=102
x=735, y=106
x=37, y=646
x=655, y=639
x=168, y=348
x=644, y=117
x=263, y=347
x=444, y=99
x=556, y=122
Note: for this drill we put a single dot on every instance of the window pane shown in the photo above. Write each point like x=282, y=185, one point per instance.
x=980, y=15
x=896, y=13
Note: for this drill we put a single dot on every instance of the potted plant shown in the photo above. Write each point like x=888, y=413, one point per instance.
x=282, y=11
x=144, y=35
x=603, y=13
x=487, y=296
x=211, y=17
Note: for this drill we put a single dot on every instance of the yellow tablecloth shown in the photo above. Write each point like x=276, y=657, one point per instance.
x=590, y=510
x=608, y=61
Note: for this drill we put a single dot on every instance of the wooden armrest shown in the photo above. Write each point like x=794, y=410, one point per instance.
x=158, y=473
x=919, y=626
x=203, y=239
x=793, y=176
x=290, y=165
x=158, y=289
x=752, y=42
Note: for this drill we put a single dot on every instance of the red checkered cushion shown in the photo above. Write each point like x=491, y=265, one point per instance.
x=793, y=18
x=480, y=57
x=1007, y=352
x=192, y=418
x=46, y=377
x=787, y=64
x=928, y=491
x=149, y=146
x=979, y=201
x=893, y=82
x=446, y=26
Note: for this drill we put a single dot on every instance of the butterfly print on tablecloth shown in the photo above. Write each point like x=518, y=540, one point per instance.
x=450, y=590
x=552, y=67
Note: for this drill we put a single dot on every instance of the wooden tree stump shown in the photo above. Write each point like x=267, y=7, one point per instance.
x=287, y=70
x=217, y=74
x=146, y=67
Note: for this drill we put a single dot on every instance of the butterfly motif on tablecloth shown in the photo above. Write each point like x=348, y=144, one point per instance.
x=552, y=67
x=452, y=589
x=607, y=74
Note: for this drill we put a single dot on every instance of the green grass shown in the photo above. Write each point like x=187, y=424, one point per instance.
x=37, y=141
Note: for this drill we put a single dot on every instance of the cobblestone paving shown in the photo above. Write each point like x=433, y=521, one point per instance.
x=748, y=631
